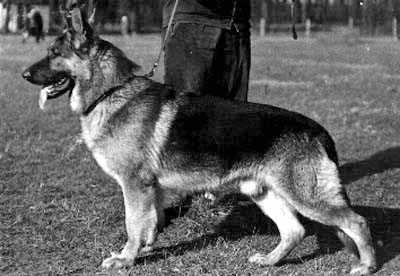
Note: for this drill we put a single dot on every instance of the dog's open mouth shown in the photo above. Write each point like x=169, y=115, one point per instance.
x=55, y=90
x=62, y=86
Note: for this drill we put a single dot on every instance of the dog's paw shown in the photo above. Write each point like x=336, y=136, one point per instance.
x=262, y=259
x=116, y=261
x=362, y=269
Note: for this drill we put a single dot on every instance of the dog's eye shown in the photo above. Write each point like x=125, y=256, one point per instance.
x=54, y=52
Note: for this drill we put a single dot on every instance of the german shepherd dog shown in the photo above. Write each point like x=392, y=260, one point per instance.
x=160, y=145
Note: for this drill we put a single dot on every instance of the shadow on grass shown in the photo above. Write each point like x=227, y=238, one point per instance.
x=384, y=224
x=248, y=219
x=377, y=163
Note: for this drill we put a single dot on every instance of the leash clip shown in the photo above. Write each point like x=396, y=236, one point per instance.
x=152, y=71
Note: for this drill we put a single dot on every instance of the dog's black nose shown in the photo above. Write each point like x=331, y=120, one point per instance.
x=27, y=75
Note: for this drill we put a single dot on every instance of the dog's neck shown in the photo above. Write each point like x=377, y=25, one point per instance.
x=92, y=124
x=110, y=65
x=107, y=69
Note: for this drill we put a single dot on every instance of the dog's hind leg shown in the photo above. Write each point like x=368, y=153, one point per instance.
x=141, y=219
x=284, y=216
x=355, y=226
x=329, y=205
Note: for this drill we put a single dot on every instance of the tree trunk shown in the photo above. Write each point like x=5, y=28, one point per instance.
x=264, y=17
x=351, y=14
x=393, y=16
x=6, y=7
x=54, y=22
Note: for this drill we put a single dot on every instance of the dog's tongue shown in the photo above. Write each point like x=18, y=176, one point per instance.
x=43, y=97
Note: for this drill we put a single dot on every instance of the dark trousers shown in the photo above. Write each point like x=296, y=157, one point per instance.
x=208, y=60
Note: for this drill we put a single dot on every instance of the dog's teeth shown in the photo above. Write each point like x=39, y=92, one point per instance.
x=43, y=97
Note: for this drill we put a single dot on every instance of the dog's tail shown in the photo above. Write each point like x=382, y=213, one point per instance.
x=317, y=192
x=329, y=145
x=330, y=148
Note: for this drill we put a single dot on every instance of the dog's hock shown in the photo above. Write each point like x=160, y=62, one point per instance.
x=250, y=188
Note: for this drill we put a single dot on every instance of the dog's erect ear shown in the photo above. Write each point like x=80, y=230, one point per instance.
x=77, y=21
x=81, y=29
x=78, y=27
x=91, y=12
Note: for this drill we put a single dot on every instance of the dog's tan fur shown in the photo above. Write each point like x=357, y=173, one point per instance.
x=140, y=136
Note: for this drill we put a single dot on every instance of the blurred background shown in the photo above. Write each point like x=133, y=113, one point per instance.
x=372, y=17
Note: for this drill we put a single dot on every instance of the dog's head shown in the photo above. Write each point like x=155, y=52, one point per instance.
x=57, y=73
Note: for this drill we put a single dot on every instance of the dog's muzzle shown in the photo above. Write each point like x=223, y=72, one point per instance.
x=54, y=84
x=27, y=75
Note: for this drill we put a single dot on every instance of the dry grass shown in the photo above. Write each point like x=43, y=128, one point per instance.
x=60, y=215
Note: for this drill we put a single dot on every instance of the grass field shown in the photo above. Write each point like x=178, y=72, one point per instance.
x=61, y=215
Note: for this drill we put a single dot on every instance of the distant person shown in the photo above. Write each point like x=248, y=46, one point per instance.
x=208, y=49
x=36, y=24
x=125, y=25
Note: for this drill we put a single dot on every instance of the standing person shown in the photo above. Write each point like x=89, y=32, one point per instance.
x=36, y=24
x=125, y=25
x=208, y=48
x=37, y=21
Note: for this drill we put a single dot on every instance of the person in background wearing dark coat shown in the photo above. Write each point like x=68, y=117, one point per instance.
x=34, y=22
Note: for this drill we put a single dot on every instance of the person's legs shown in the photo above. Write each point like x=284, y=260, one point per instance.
x=37, y=35
x=241, y=86
x=232, y=65
x=189, y=54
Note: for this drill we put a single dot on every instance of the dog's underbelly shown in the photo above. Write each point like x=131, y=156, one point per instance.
x=183, y=180
x=189, y=181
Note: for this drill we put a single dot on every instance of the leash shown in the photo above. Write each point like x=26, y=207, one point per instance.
x=167, y=32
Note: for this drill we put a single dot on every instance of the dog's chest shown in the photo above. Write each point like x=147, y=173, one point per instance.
x=106, y=164
x=93, y=138
x=92, y=129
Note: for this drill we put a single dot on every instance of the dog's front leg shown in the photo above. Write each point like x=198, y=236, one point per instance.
x=141, y=218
